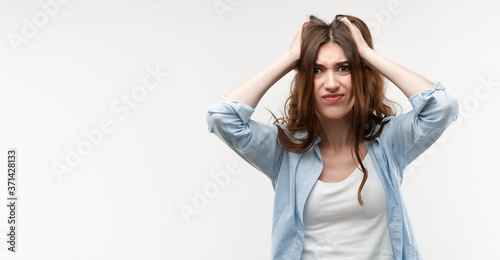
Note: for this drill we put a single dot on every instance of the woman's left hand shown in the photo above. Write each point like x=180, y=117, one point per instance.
x=409, y=82
x=358, y=38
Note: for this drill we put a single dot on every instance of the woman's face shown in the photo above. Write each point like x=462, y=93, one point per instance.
x=333, y=96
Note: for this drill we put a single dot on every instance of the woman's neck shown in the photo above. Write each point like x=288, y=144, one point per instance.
x=336, y=134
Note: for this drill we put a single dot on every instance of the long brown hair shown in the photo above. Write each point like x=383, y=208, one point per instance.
x=369, y=108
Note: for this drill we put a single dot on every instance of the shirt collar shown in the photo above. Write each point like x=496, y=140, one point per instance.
x=318, y=139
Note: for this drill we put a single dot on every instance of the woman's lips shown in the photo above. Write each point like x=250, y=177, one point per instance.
x=333, y=98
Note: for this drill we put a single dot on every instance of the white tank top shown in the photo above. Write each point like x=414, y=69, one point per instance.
x=338, y=227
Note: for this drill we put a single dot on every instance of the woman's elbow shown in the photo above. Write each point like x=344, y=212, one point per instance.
x=214, y=120
x=439, y=116
x=451, y=109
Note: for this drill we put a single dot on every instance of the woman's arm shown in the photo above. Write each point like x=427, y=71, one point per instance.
x=407, y=81
x=229, y=117
x=251, y=90
x=410, y=134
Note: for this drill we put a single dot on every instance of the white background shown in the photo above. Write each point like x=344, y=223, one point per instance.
x=123, y=200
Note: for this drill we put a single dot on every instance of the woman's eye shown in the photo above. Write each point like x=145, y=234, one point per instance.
x=344, y=68
x=317, y=70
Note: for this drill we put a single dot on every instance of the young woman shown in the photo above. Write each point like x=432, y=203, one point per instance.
x=337, y=156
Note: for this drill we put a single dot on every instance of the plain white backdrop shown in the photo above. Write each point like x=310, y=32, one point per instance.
x=105, y=102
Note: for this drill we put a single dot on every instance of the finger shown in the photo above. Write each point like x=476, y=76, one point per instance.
x=353, y=28
x=305, y=21
x=346, y=21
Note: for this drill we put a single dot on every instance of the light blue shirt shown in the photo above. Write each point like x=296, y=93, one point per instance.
x=293, y=175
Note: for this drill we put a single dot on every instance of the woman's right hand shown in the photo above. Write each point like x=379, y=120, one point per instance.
x=297, y=40
x=252, y=89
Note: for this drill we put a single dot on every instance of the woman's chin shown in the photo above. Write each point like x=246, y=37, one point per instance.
x=332, y=115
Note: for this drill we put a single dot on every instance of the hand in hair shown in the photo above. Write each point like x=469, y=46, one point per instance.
x=358, y=38
x=252, y=89
x=409, y=82
x=297, y=40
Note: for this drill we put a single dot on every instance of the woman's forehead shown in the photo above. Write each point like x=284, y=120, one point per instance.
x=330, y=54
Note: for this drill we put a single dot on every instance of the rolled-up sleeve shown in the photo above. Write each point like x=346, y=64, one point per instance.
x=255, y=142
x=413, y=132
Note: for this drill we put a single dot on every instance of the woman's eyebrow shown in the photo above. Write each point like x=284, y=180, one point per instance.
x=338, y=64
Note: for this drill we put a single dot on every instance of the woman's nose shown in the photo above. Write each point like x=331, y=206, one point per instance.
x=331, y=80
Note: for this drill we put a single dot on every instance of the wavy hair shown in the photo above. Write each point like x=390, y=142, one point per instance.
x=301, y=123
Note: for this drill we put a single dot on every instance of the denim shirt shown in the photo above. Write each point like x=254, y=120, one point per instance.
x=293, y=175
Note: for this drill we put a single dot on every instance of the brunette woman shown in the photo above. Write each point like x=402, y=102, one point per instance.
x=336, y=157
